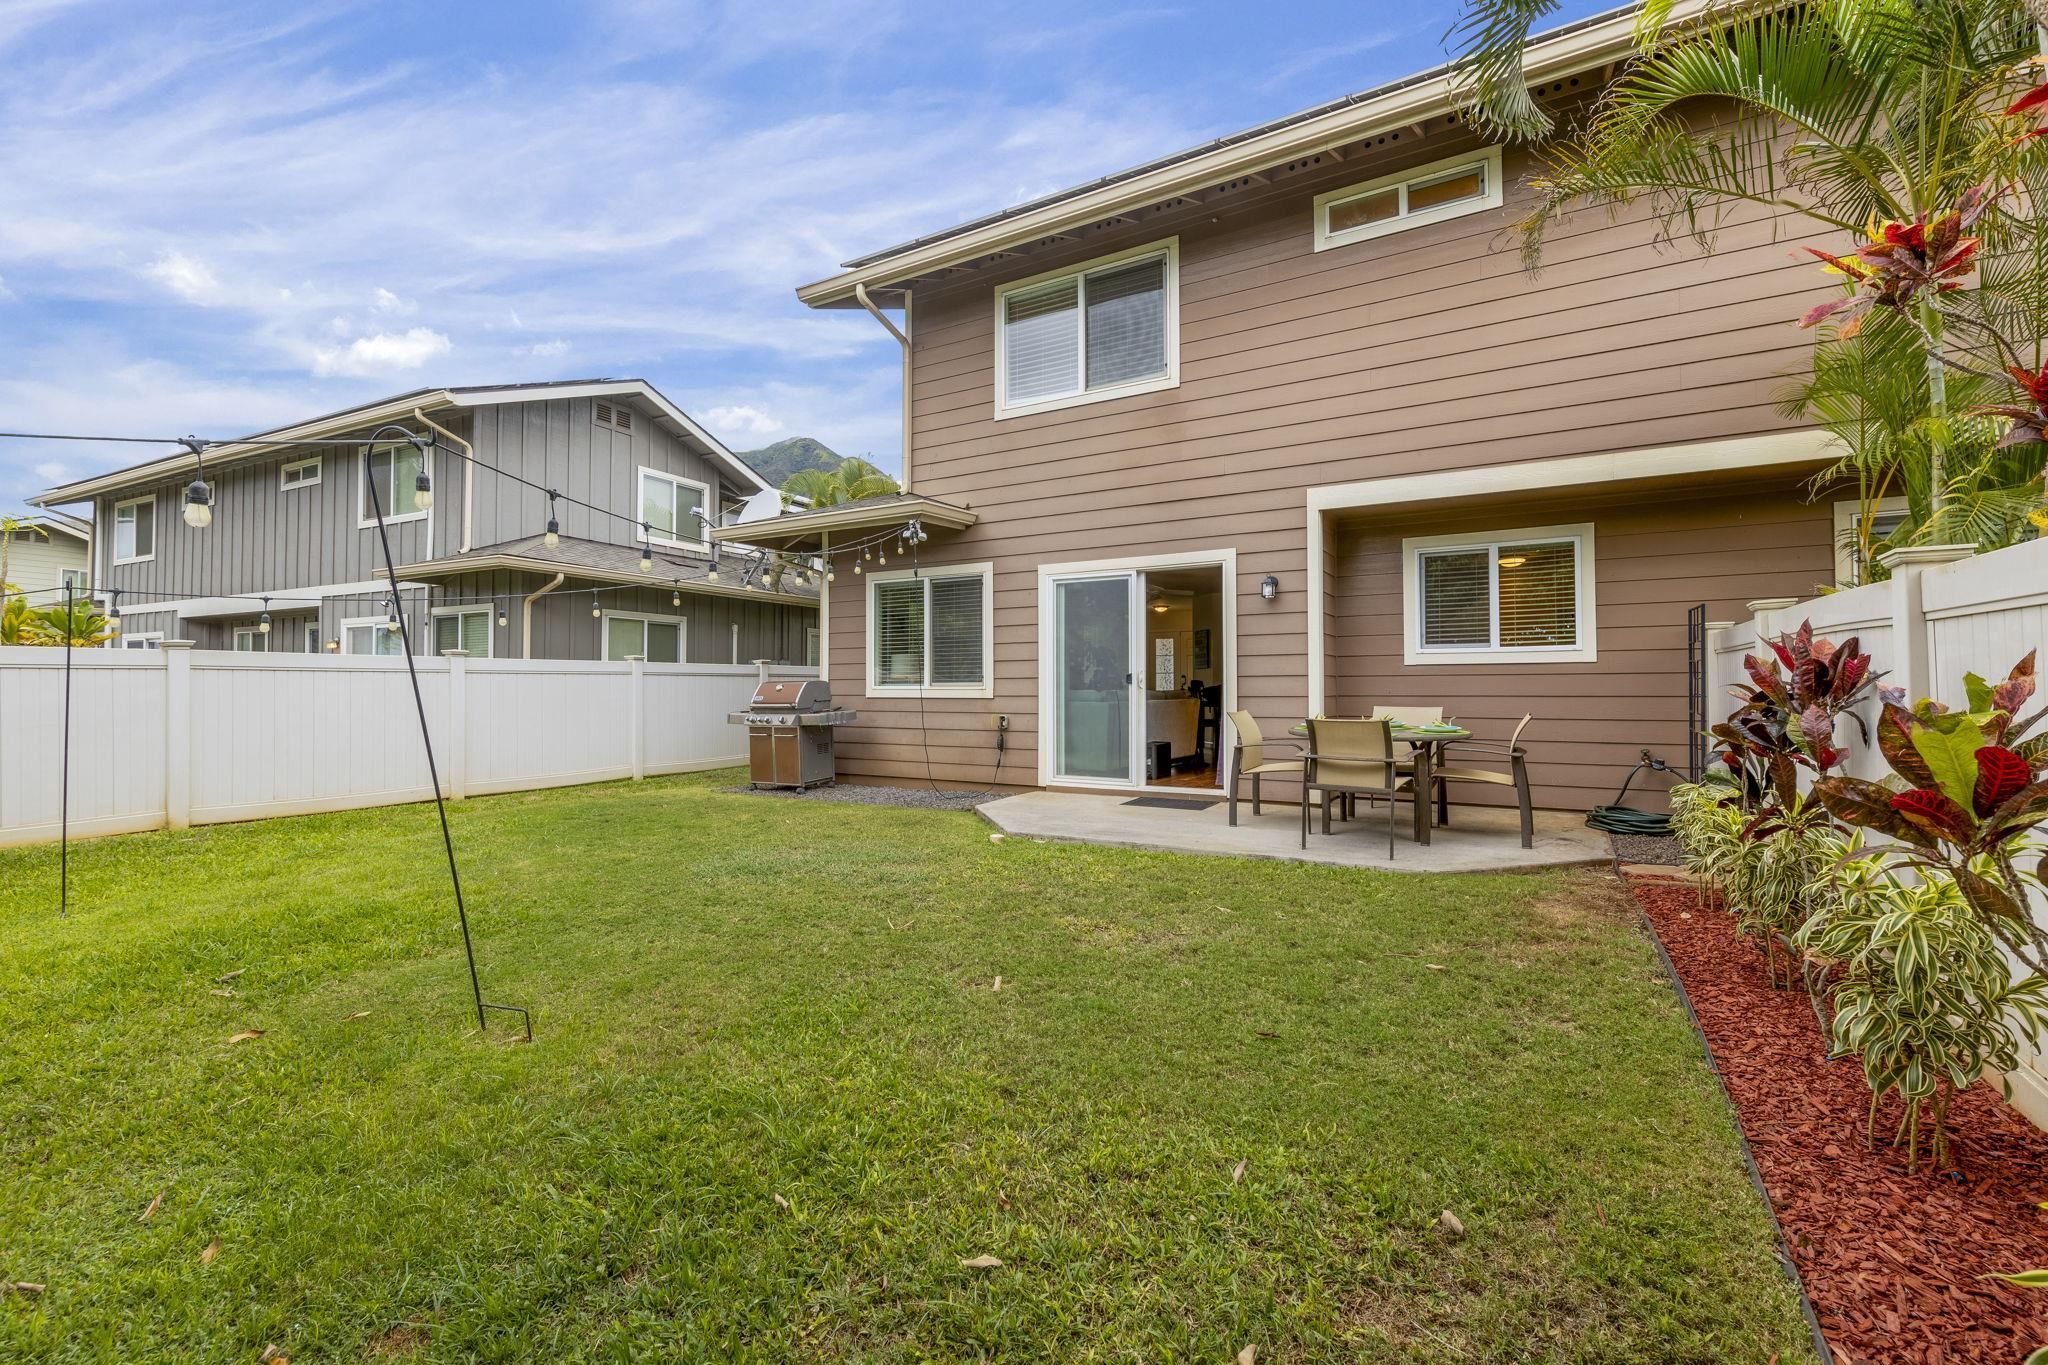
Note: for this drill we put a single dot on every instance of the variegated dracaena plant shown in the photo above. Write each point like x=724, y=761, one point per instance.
x=1969, y=790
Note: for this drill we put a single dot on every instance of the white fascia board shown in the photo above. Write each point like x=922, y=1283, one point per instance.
x=283, y=601
x=1776, y=450
x=1570, y=52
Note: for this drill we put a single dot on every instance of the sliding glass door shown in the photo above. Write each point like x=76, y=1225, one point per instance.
x=1094, y=678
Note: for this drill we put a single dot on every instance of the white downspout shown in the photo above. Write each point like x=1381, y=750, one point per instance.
x=526, y=614
x=860, y=294
x=468, y=475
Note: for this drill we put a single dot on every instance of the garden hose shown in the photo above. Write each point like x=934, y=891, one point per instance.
x=1616, y=818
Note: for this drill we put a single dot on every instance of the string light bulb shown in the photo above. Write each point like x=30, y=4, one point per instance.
x=423, y=490
x=856, y=569
x=114, y=611
x=646, y=548
x=675, y=599
x=711, y=574
x=595, y=609
x=198, y=505
x=263, y=621
x=554, y=536
x=501, y=618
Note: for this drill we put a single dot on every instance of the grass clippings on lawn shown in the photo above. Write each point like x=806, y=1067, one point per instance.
x=776, y=1108
x=1895, y=1264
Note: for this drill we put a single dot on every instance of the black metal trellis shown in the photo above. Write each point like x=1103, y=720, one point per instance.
x=1696, y=692
x=426, y=736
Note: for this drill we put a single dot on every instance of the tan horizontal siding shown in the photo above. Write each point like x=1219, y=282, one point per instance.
x=1425, y=350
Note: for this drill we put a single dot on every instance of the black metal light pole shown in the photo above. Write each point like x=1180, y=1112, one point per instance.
x=64, y=776
x=423, y=444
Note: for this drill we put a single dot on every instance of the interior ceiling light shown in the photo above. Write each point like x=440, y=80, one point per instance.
x=1513, y=561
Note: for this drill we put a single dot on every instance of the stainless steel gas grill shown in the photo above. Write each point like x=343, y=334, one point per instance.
x=789, y=732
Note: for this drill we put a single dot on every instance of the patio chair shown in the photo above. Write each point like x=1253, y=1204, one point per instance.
x=1349, y=758
x=1409, y=715
x=1248, y=759
x=1517, y=776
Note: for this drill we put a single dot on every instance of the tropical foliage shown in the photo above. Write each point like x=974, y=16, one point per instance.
x=852, y=480
x=83, y=625
x=1923, y=996
x=1898, y=127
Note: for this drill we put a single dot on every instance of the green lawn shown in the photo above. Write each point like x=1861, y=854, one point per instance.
x=775, y=1101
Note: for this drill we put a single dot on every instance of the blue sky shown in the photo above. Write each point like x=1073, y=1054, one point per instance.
x=220, y=217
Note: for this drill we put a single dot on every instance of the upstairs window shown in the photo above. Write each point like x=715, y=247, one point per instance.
x=395, y=474
x=135, y=530
x=931, y=631
x=1104, y=330
x=1444, y=189
x=669, y=508
x=300, y=473
x=1507, y=597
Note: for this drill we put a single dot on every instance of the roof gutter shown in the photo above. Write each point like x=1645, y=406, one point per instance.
x=1603, y=39
x=468, y=473
x=526, y=614
x=860, y=294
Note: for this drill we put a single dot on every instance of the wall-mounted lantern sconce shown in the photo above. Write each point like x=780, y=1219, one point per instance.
x=1269, y=588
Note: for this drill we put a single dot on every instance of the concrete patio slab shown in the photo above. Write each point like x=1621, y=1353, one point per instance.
x=1478, y=839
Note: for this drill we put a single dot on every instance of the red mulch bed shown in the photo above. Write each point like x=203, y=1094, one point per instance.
x=1892, y=1262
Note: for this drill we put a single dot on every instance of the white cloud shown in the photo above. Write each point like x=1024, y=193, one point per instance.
x=52, y=472
x=384, y=301
x=548, y=348
x=183, y=275
x=5, y=292
x=741, y=420
x=383, y=353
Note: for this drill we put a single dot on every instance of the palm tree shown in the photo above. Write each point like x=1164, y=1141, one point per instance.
x=852, y=480
x=1846, y=113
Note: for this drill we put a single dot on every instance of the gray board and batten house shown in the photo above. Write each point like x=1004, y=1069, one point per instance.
x=294, y=523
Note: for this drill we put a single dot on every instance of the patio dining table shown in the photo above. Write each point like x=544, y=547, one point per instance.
x=1425, y=742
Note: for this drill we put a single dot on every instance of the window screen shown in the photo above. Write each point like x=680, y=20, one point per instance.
x=1456, y=609
x=1127, y=323
x=956, y=634
x=669, y=507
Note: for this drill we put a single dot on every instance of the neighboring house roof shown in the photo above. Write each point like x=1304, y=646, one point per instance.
x=61, y=522
x=803, y=531
x=395, y=409
x=602, y=562
x=1201, y=175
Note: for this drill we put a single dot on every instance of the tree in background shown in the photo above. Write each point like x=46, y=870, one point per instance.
x=852, y=480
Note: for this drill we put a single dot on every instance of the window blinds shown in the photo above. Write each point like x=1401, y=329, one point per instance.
x=1456, y=605
x=899, y=632
x=469, y=630
x=1042, y=342
x=956, y=630
x=1127, y=323
x=1539, y=595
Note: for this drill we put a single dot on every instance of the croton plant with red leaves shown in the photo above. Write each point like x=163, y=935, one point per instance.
x=1789, y=718
x=1901, y=262
x=1970, y=788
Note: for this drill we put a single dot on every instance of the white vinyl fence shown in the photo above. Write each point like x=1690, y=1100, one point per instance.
x=178, y=736
x=1944, y=612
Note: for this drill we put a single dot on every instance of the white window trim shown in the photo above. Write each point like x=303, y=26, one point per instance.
x=681, y=623
x=987, y=686
x=1846, y=512
x=258, y=642
x=1488, y=157
x=114, y=533
x=652, y=537
x=490, y=626
x=139, y=640
x=349, y=623
x=1412, y=548
x=1170, y=249
x=84, y=583
x=285, y=482
x=392, y=516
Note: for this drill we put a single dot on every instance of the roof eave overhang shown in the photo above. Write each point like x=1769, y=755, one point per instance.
x=226, y=453
x=1565, y=54
x=444, y=568
x=795, y=529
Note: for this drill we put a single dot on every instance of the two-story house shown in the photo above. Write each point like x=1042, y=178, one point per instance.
x=617, y=564
x=1285, y=417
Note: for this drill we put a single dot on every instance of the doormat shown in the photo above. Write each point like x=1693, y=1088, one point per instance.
x=1169, y=803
